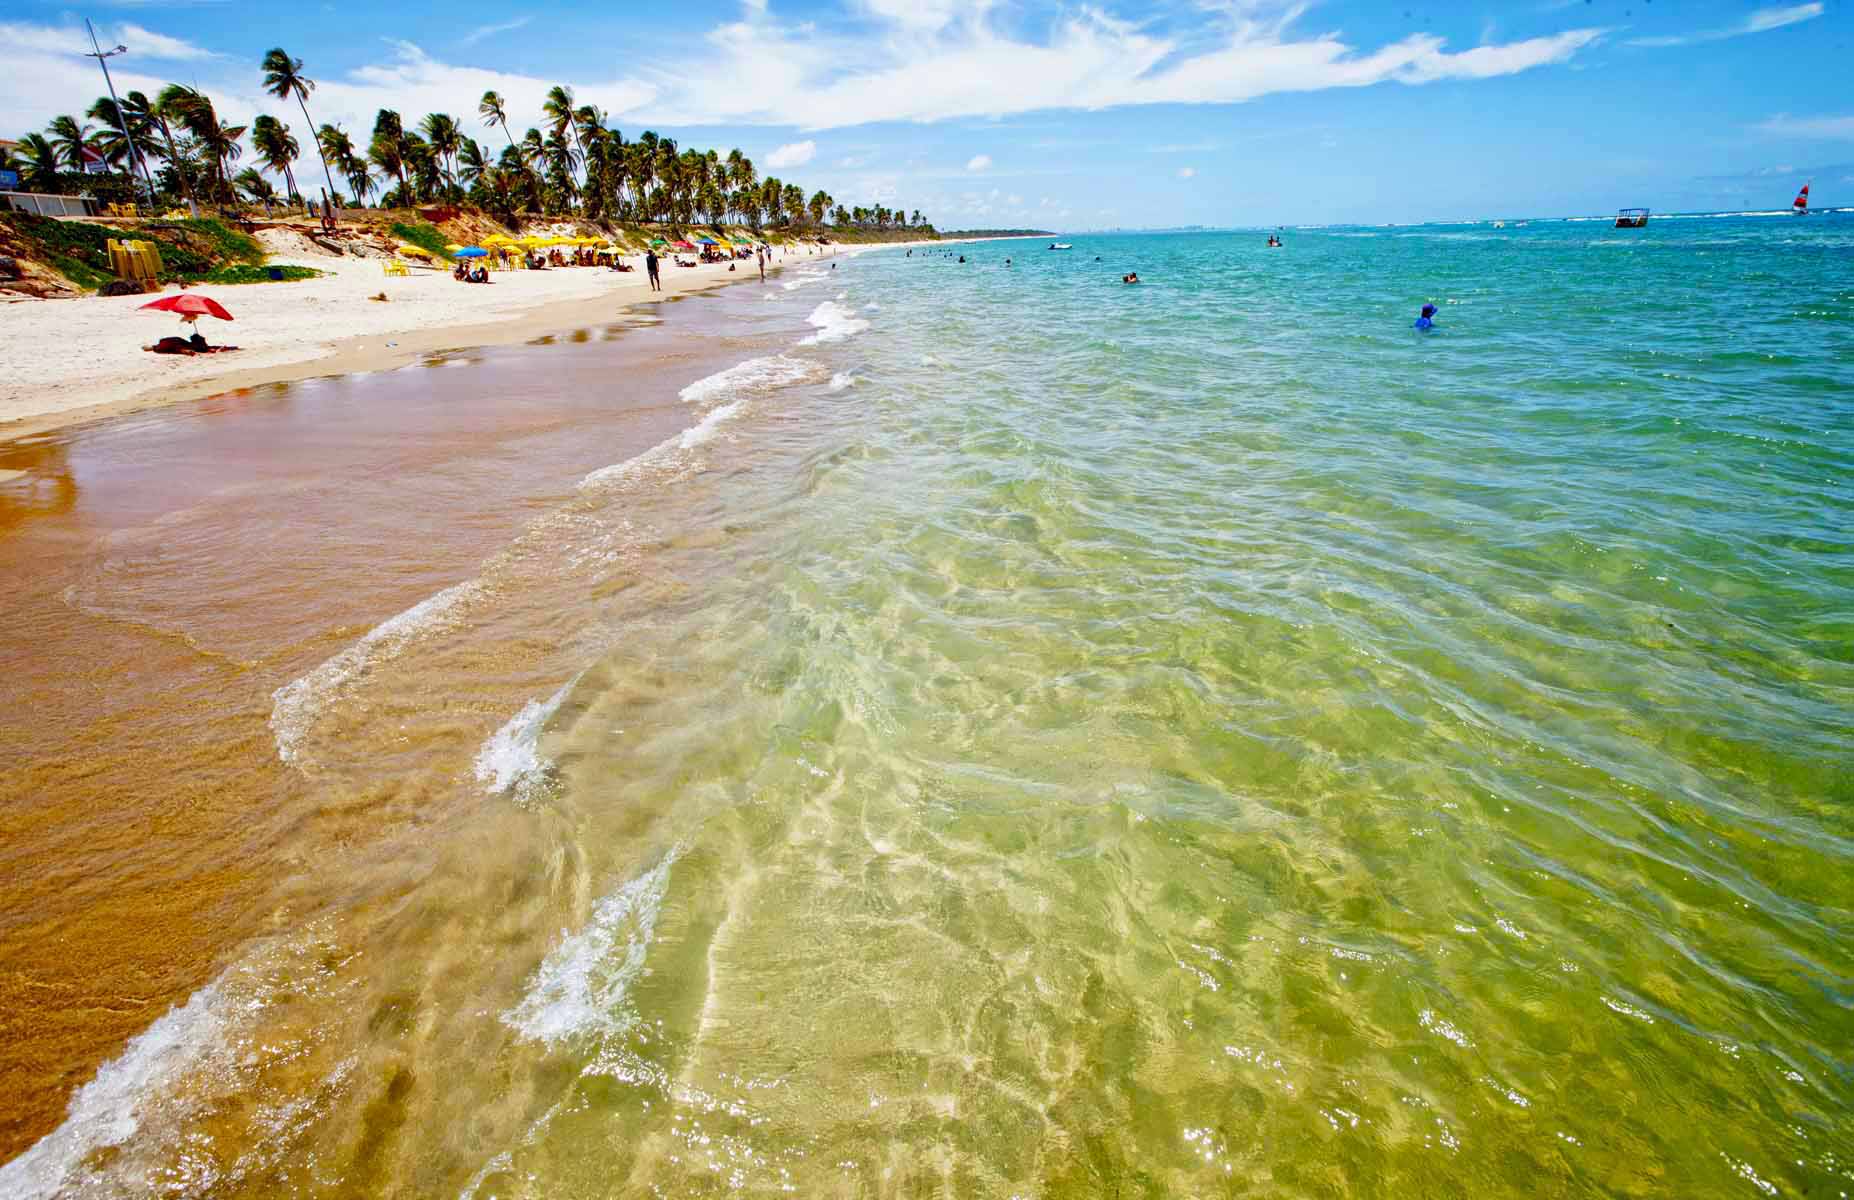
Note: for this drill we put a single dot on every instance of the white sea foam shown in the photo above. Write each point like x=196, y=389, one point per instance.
x=841, y=380
x=107, y=1111
x=295, y=706
x=510, y=762
x=834, y=323
x=755, y=374
x=580, y=987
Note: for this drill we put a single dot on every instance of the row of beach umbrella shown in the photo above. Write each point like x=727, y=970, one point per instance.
x=504, y=241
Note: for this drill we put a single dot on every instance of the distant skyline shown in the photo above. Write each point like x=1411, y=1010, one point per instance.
x=1179, y=112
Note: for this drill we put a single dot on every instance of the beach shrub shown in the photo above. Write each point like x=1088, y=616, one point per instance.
x=418, y=233
x=191, y=250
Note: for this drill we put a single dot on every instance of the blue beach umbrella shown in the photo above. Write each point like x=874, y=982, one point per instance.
x=473, y=252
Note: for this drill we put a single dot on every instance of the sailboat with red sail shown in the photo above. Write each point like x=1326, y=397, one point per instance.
x=1800, y=205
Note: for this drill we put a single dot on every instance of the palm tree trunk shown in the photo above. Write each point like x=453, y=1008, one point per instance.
x=326, y=173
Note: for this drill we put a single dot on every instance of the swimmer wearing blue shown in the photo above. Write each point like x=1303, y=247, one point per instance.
x=1426, y=322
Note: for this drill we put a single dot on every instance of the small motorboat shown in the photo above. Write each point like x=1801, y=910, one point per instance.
x=1060, y=246
x=1632, y=218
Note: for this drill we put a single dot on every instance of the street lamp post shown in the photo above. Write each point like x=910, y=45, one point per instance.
x=122, y=120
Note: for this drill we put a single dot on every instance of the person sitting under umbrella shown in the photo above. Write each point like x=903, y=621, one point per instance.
x=190, y=307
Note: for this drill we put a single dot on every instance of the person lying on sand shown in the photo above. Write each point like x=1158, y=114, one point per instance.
x=187, y=346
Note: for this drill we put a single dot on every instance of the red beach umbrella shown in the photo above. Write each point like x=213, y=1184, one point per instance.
x=190, y=305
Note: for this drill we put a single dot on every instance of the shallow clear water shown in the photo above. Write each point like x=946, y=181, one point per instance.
x=1042, y=737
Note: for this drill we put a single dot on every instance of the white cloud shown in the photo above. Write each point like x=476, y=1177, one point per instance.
x=1014, y=199
x=978, y=162
x=489, y=31
x=73, y=41
x=792, y=154
x=1762, y=20
x=1832, y=128
x=853, y=160
x=1186, y=172
x=896, y=60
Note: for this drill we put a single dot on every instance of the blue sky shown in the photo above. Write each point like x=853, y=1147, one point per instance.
x=1105, y=114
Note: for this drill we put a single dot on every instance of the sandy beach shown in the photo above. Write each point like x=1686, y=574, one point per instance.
x=80, y=360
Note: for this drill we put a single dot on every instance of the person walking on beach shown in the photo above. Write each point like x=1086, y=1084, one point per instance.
x=650, y=265
x=760, y=254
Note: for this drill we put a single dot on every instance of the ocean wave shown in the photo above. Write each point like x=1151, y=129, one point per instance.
x=296, y=705
x=510, y=762
x=106, y=1111
x=580, y=987
x=841, y=380
x=834, y=323
x=755, y=373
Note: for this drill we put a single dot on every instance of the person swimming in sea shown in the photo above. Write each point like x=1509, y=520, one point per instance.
x=1130, y=277
x=1427, y=321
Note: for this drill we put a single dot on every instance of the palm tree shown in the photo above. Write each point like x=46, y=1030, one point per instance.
x=472, y=165
x=283, y=78
x=387, y=149
x=274, y=145
x=196, y=115
x=70, y=136
x=41, y=159
x=817, y=206
x=157, y=116
x=338, y=148
x=255, y=186
x=131, y=114
x=495, y=111
x=441, y=131
x=558, y=109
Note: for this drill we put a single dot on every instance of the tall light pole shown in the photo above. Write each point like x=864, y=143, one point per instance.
x=122, y=120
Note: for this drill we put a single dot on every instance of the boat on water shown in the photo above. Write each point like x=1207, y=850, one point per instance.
x=1060, y=246
x=1632, y=218
x=1800, y=205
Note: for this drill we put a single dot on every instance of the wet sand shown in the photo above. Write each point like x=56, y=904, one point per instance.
x=162, y=574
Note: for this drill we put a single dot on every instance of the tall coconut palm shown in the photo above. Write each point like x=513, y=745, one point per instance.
x=387, y=149
x=283, y=78
x=338, y=149
x=472, y=165
x=441, y=131
x=558, y=109
x=495, y=111
x=817, y=206
x=277, y=149
x=158, y=118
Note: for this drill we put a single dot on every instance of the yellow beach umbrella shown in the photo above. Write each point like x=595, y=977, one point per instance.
x=452, y=247
x=499, y=239
x=414, y=251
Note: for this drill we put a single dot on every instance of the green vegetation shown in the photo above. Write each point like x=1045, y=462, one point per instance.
x=572, y=162
x=205, y=250
x=418, y=233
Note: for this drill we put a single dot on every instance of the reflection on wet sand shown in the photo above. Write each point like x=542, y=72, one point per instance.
x=162, y=575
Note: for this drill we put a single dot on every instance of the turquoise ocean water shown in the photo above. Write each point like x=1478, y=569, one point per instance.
x=1041, y=737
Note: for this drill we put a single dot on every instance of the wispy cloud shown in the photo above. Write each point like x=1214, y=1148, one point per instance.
x=1186, y=172
x=897, y=60
x=72, y=40
x=978, y=162
x=1829, y=128
x=792, y=154
x=488, y=31
x=1762, y=20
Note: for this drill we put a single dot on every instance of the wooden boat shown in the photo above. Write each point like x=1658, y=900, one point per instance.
x=1632, y=218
